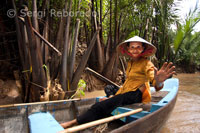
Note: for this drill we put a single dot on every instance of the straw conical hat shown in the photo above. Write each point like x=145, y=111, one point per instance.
x=150, y=49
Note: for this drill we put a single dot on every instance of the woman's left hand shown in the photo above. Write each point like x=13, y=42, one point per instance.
x=165, y=72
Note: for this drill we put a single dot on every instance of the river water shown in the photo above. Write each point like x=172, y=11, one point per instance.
x=185, y=117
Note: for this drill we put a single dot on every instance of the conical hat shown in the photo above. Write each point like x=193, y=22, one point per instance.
x=150, y=49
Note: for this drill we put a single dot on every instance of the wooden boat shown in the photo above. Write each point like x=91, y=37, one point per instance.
x=15, y=118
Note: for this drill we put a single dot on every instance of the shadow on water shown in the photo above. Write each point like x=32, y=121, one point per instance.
x=186, y=114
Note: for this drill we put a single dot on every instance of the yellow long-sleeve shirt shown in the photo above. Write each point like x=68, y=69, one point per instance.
x=139, y=73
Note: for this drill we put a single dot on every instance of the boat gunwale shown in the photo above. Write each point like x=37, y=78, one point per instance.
x=126, y=127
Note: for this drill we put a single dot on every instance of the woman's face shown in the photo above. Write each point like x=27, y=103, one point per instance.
x=135, y=48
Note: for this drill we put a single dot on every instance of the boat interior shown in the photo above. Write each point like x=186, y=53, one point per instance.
x=16, y=118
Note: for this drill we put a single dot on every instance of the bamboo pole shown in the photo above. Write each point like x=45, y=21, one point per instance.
x=101, y=121
x=101, y=77
x=35, y=103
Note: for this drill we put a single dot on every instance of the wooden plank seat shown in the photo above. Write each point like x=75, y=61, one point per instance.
x=43, y=122
x=156, y=97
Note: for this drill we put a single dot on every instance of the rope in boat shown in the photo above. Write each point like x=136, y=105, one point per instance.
x=101, y=128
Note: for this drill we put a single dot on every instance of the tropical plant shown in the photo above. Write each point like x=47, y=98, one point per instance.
x=186, y=42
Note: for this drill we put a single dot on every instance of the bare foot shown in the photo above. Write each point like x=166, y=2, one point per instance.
x=69, y=123
x=102, y=99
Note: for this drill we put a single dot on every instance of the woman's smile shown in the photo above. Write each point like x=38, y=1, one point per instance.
x=135, y=48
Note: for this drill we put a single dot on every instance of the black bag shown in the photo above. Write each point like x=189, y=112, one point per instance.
x=110, y=90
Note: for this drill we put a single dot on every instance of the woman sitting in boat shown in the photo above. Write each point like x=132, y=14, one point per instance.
x=136, y=89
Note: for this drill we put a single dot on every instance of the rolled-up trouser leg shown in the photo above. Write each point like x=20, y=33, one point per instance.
x=104, y=108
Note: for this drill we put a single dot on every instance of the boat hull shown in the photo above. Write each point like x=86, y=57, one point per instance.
x=151, y=123
x=14, y=118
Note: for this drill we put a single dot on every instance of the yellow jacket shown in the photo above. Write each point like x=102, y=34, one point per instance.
x=139, y=73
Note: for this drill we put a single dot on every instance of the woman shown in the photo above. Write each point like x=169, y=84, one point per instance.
x=136, y=89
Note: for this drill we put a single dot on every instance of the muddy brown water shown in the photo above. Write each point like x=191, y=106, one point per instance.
x=185, y=117
x=186, y=114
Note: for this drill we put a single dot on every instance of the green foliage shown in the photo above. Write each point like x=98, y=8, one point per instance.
x=185, y=41
x=80, y=90
x=178, y=39
x=189, y=52
x=151, y=19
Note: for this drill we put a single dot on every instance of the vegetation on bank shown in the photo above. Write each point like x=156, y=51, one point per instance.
x=47, y=41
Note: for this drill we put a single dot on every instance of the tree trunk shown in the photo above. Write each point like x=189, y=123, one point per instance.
x=116, y=36
x=118, y=29
x=45, y=47
x=83, y=63
x=93, y=59
x=101, y=12
x=24, y=57
x=46, y=36
x=63, y=78
x=59, y=41
x=73, y=58
x=19, y=37
x=27, y=62
x=39, y=81
x=87, y=36
x=146, y=29
x=100, y=53
x=108, y=47
x=110, y=35
x=115, y=68
x=110, y=69
x=35, y=20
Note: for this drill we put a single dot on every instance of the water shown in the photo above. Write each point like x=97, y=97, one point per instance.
x=186, y=115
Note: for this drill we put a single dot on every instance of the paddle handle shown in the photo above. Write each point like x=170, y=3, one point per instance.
x=101, y=121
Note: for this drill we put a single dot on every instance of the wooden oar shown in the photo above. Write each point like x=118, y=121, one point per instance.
x=101, y=121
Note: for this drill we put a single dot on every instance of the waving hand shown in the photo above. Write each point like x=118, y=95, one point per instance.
x=165, y=72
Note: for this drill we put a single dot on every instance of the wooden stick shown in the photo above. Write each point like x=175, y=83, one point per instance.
x=25, y=104
x=123, y=67
x=47, y=42
x=101, y=77
x=43, y=39
x=101, y=121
